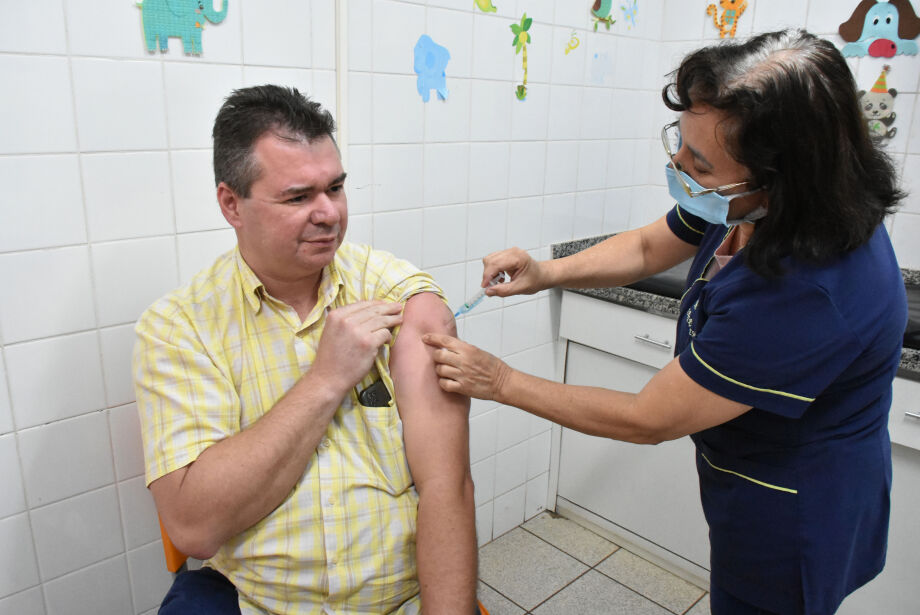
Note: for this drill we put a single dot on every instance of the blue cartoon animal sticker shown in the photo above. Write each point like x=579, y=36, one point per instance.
x=430, y=65
x=629, y=12
x=880, y=29
x=183, y=19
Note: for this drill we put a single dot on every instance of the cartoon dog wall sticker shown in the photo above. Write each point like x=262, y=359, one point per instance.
x=881, y=29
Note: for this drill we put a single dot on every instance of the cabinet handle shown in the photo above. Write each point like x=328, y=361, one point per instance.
x=666, y=344
x=913, y=415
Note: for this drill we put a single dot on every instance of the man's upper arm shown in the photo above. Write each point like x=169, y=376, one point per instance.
x=435, y=423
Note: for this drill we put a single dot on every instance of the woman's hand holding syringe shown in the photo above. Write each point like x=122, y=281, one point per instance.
x=526, y=275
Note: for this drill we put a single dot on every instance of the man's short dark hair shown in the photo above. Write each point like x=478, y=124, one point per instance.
x=249, y=113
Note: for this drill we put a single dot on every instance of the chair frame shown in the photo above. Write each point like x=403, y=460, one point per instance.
x=176, y=560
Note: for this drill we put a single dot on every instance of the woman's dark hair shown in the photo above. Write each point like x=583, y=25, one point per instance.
x=249, y=113
x=793, y=118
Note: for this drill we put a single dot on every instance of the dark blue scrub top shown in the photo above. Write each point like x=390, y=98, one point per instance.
x=795, y=491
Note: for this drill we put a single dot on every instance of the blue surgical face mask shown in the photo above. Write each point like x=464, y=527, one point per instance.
x=711, y=207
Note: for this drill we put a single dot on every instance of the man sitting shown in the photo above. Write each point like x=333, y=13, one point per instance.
x=295, y=435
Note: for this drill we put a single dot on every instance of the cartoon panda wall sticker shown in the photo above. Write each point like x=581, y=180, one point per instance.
x=878, y=107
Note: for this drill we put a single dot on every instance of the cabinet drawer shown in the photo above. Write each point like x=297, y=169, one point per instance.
x=623, y=331
x=904, y=418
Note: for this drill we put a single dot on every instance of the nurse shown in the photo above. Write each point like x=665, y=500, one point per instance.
x=789, y=333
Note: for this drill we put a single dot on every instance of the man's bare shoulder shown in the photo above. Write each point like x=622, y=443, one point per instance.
x=427, y=312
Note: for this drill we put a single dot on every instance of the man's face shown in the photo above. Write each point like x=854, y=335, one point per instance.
x=296, y=214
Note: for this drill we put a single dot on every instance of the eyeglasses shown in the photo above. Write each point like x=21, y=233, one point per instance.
x=670, y=138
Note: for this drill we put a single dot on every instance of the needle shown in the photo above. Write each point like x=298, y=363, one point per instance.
x=473, y=301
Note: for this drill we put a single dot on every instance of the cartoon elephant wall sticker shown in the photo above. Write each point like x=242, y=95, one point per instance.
x=183, y=19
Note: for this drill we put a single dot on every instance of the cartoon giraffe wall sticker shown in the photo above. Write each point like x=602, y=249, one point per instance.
x=521, y=39
x=728, y=22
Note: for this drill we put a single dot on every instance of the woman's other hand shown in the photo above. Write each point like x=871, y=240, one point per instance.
x=527, y=275
x=465, y=369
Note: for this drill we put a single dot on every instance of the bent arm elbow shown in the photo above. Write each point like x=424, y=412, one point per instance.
x=648, y=438
x=652, y=430
x=205, y=552
x=195, y=542
x=647, y=424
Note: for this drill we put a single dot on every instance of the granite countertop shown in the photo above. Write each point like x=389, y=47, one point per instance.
x=669, y=307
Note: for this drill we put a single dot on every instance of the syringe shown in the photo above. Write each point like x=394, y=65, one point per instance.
x=473, y=301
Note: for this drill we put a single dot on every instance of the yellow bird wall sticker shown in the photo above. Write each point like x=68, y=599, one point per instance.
x=485, y=6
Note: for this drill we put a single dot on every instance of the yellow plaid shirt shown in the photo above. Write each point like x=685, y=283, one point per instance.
x=215, y=355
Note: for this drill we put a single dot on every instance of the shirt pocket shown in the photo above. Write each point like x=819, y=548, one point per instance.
x=387, y=466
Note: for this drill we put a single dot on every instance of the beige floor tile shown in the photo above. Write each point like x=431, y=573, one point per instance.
x=701, y=607
x=526, y=569
x=495, y=603
x=582, y=544
x=653, y=582
x=595, y=594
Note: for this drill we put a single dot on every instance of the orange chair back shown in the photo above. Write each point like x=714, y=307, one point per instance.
x=174, y=557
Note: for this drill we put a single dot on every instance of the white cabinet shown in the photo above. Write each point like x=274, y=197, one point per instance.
x=622, y=331
x=649, y=492
x=896, y=589
x=645, y=495
x=904, y=418
x=648, y=496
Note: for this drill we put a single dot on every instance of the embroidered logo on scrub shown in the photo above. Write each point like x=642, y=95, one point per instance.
x=689, y=317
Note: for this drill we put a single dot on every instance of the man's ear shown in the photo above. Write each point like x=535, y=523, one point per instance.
x=229, y=202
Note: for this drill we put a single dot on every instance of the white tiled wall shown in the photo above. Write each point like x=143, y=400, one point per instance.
x=106, y=202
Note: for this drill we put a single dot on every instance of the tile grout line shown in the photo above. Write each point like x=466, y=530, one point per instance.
x=497, y=591
x=608, y=556
x=591, y=568
x=528, y=611
x=560, y=590
x=618, y=547
x=692, y=606
x=638, y=593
